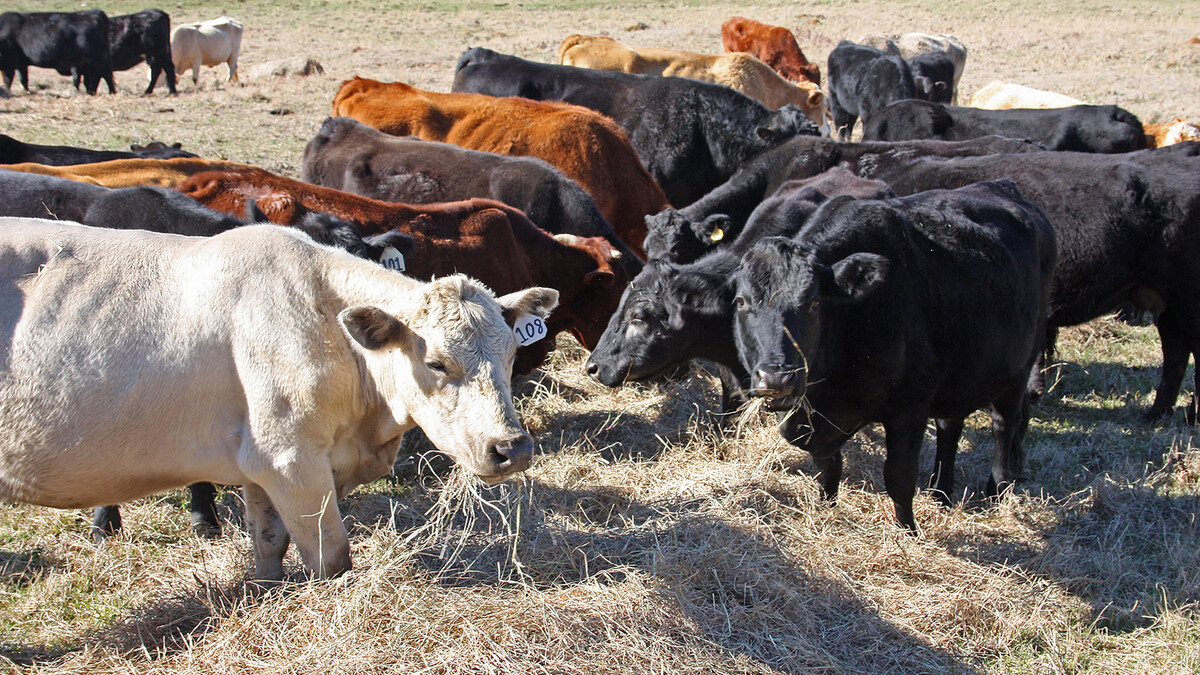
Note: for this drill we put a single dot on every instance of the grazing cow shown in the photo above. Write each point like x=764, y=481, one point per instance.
x=64, y=41
x=997, y=95
x=773, y=45
x=1177, y=130
x=287, y=367
x=672, y=312
x=145, y=35
x=739, y=70
x=728, y=206
x=894, y=311
x=206, y=43
x=130, y=172
x=1128, y=229
x=864, y=80
x=910, y=45
x=490, y=241
x=348, y=155
x=1082, y=128
x=690, y=135
x=13, y=151
x=586, y=146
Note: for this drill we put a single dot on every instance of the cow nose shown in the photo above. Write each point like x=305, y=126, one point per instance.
x=510, y=456
x=775, y=380
x=593, y=368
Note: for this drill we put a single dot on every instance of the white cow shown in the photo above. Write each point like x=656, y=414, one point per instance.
x=133, y=362
x=206, y=43
x=997, y=95
x=908, y=45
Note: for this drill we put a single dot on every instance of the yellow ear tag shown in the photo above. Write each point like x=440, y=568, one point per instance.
x=717, y=234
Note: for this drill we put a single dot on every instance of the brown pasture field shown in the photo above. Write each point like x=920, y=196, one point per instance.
x=644, y=540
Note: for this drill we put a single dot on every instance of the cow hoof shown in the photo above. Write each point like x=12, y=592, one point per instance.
x=1158, y=413
x=204, y=528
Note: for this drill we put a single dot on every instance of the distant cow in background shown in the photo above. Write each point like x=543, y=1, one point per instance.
x=206, y=43
x=13, y=151
x=997, y=95
x=775, y=46
x=864, y=80
x=1169, y=133
x=740, y=71
x=143, y=35
x=909, y=45
x=65, y=41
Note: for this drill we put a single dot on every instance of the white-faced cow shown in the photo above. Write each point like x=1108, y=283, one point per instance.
x=65, y=41
x=894, y=311
x=134, y=362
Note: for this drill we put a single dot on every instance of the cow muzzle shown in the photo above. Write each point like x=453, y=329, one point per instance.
x=505, y=458
x=782, y=386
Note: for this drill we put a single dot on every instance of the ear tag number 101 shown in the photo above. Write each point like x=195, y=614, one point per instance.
x=529, y=328
x=392, y=259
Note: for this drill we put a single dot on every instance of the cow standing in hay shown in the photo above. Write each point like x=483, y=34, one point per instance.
x=136, y=362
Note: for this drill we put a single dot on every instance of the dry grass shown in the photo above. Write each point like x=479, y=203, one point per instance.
x=644, y=539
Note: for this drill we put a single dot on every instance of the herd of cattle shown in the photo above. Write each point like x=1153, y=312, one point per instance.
x=667, y=206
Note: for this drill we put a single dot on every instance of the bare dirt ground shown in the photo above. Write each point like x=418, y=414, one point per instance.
x=644, y=540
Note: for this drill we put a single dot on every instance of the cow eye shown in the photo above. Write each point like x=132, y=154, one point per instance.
x=640, y=315
x=436, y=366
x=740, y=302
x=814, y=305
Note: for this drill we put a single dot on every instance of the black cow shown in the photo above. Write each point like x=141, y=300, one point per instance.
x=933, y=76
x=145, y=35
x=1128, y=229
x=691, y=135
x=351, y=156
x=68, y=42
x=13, y=151
x=864, y=80
x=672, y=313
x=895, y=311
x=1083, y=128
x=729, y=206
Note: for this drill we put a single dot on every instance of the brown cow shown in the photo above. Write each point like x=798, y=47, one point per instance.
x=120, y=173
x=485, y=239
x=585, y=145
x=1177, y=130
x=774, y=45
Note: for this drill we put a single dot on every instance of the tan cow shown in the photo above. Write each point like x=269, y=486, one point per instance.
x=737, y=70
x=997, y=95
x=134, y=362
x=206, y=43
x=119, y=173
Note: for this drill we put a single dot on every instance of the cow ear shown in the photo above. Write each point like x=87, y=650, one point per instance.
x=714, y=228
x=816, y=98
x=536, y=300
x=371, y=327
x=856, y=277
x=177, y=146
x=376, y=244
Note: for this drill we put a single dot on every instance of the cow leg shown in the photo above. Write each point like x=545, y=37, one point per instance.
x=814, y=433
x=8, y=78
x=23, y=71
x=1175, y=360
x=843, y=120
x=203, y=509
x=1010, y=419
x=949, y=431
x=106, y=521
x=75, y=78
x=233, y=76
x=108, y=79
x=268, y=532
x=829, y=474
x=169, y=68
x=903, y=436
x=303, y=493
x=91, y=83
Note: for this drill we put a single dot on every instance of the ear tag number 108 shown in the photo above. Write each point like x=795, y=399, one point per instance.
x=529, y=328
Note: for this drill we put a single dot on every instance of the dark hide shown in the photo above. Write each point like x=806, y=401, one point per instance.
x=145, y=35
x=894, y=311
x=13, y=151
x=1082, y=128
x=864, y=80
x=68, y=42
x=692, y=136
x=933, y=76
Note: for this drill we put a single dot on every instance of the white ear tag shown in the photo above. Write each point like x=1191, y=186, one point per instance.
x=529, y=328
x=392, y=259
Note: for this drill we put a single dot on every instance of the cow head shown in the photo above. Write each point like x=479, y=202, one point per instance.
x=673, y=237
x=787, y=122
x=666, y=311
x=446, y=364
x=783, y=294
